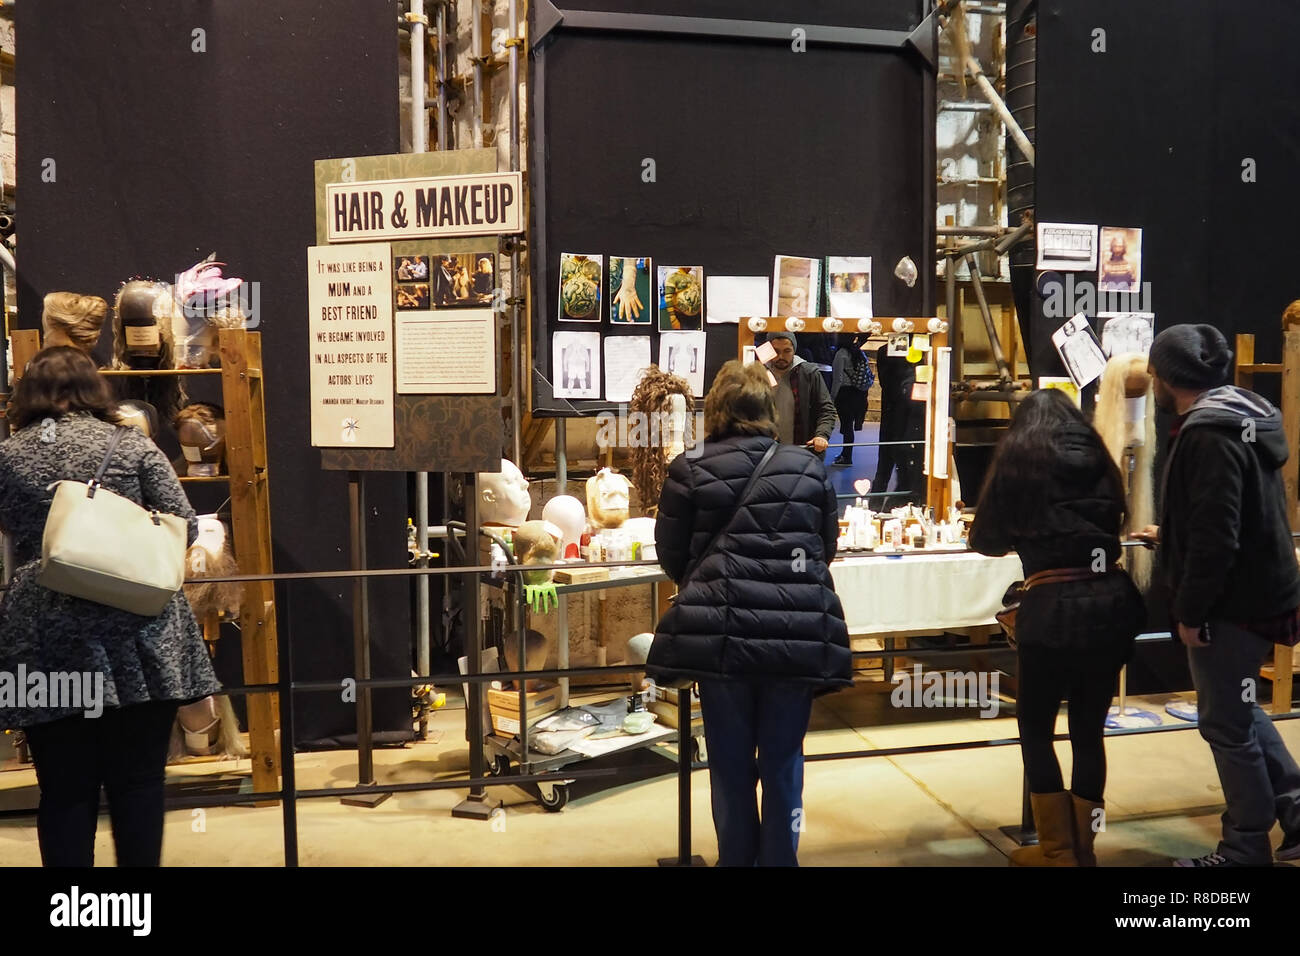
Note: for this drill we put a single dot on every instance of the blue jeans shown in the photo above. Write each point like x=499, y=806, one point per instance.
x=1260, y=779
x=741, y=717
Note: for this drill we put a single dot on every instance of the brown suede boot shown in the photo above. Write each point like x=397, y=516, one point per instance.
x=1085, y=820
x=1054, y=819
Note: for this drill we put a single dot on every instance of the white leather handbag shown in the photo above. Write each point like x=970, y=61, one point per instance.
x=107, y=549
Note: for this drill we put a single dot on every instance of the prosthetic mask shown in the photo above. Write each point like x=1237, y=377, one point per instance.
x=607, y=498
x=503, y=496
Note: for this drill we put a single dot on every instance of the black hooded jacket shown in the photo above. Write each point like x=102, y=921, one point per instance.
x=1225, y=541
x=1076, y=523
x=762, y=605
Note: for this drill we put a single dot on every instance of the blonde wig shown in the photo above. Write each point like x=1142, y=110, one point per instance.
x=78, y=318
x=1126, y=376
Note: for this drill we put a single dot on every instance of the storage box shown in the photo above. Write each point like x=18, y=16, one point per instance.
x=543, y=700
x=581, y=575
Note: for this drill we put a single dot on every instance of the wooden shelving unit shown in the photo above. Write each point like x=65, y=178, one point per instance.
x=250, y=512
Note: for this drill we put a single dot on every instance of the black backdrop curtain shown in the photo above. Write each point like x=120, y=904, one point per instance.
x=162, y=154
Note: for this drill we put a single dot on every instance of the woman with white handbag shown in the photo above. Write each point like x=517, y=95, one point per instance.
x=98, y=645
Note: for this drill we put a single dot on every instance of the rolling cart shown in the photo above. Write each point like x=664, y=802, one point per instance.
x=507, y=756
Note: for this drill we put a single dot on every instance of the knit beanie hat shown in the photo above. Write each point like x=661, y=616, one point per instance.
x=1191, y=356
x=794, y=343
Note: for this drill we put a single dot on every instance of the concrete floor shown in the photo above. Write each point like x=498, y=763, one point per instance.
x=922, y=810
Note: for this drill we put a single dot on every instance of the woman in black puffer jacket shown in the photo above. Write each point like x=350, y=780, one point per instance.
x=758, y=623
x=1055, y=497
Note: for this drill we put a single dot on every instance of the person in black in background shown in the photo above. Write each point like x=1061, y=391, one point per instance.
x=901, y=419
x=851, y=378
x=1055, y=497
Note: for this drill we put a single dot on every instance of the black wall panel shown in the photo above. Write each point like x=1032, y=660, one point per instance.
x=164, y=154
x=758, y=151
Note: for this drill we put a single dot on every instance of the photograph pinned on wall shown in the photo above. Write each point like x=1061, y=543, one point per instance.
x=411, y=268
x=898, y=344
x=795, y=285
x=682, y=354
x=580, y=287
x=732, y=298
x=464, y=280
x=1079, y=349
x=1067, y=246
x=848, y=287
x=412, y=296
x=626, y=359
x=1120, y=254
x=575, y=357
x=1124, y=332
x=630, y=285
x=681, y=298
x=1064, y=384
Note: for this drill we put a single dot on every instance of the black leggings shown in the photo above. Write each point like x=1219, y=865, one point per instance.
x=125, y=751
x=850, y=405
x=1046, y=678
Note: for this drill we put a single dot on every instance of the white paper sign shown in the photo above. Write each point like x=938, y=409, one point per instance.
x=848, y=286
x=446, y=352
x=626, y=357
x=1067, y=246
x=575, y=356
x=731, y=298
x=1079, y=349
x=350, y=325
x=1123, y=332
x=476, y=204
x=682, y=353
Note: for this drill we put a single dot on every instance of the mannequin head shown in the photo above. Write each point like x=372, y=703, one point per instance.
x=1125, y=417
x=72, y=319
x=537, y=542
x=503, y=496
x=140, y=415
x=567, y=513
x=140, y=341
x=201, y=430
x=607, y=498
x=210, y=556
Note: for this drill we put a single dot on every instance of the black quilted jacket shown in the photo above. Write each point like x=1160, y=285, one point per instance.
x=762, y=604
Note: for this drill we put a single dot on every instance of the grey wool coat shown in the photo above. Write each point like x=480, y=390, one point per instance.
x=142, y=658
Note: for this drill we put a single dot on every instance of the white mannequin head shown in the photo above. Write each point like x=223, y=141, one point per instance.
x=567, y=513
x=674, y=436
x=607, y=498
x=212, y=534
x=503, y=496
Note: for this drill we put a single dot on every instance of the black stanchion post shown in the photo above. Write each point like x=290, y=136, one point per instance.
x=361, y=644
x=684, y=765
x=1026, y=834
x=288, y=775
x=477, y=805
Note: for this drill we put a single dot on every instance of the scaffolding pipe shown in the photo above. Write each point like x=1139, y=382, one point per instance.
x=442, y=74
x=1003, y=370
x=517, y=363
x=971, y=66
x=476, y=44
x=420, y=144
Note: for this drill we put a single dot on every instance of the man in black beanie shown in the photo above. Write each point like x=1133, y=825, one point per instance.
x=1225, y=553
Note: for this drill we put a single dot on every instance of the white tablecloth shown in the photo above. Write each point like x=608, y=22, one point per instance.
x=932, y=592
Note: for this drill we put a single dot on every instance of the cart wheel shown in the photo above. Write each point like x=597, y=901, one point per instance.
x=500, y=766
x=555, y=800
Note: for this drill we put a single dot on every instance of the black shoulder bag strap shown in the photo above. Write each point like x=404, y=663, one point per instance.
x=98, y=480
x=717, y=538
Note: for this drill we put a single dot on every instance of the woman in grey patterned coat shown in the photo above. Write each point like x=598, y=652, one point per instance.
x=133, y=671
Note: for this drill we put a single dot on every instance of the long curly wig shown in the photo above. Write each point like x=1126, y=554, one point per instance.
x=649, y=467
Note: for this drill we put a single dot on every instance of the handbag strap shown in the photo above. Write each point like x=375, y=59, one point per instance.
x=717, y=538
x=98, y=480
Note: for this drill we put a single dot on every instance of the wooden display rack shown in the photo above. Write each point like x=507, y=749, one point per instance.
x=939, y=494
x=243, y=397
x=1281, y=671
